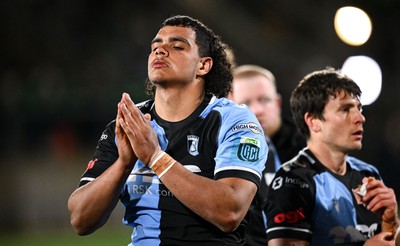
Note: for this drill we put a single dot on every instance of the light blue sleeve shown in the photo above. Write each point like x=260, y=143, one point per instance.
x=241, y=140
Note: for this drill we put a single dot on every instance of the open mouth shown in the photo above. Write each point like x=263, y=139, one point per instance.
x=358, y=134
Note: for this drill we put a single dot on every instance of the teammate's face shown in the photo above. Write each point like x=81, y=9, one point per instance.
x=342, y=127
x=259, y=93
x=174, y=56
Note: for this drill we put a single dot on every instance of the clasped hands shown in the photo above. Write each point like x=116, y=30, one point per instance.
x=136, y=139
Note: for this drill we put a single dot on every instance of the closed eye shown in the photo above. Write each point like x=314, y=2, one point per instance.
x=177, y=47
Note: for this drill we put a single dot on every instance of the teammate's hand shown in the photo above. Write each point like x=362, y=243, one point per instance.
x=382, y=239
x=382, y=200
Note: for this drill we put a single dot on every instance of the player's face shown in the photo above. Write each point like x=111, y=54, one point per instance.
x=342, y=127
x=174, y=56
x=259, y=93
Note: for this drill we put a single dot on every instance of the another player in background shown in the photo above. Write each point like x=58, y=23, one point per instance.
x=324, y=196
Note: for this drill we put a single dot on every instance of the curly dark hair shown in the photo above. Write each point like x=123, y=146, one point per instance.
x=219, y=80
x=313, y=92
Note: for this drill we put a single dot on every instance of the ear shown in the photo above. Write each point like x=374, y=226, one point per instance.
x=279, y=100
x=312, y=122
x=230, y=95
x=205, y=65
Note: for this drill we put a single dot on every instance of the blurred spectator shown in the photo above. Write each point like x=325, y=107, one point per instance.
x=256, y=87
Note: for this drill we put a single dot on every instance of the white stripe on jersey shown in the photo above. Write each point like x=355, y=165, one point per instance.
x=289, y=228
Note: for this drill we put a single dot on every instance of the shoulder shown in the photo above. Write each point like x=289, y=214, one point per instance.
x=298, y=167
x=296, y=173
x=300, y=163
x=145, y=106
x=232, y=115
x=360, y=165
x=225, y=106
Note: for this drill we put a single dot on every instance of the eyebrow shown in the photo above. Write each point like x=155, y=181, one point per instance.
x=350, y=104
x=171, y=39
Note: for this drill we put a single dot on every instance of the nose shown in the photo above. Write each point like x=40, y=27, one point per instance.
x=161, y=51
x=360, y=118
x=256, y=107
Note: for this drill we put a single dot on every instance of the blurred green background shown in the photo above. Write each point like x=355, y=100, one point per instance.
x=105, y=236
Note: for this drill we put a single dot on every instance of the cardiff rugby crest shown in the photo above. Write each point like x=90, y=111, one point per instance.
x=193, y=144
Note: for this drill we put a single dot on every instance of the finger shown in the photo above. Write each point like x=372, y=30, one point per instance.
x=132, y=108
x=385, y=235
x=124, y=120
x=375, y=183
x=383, y=201
x=371, y=194
x=128, y=117
x=132, y=136
x=138, y=123
x=117, y=121
x=375, y=188
x=147, y=117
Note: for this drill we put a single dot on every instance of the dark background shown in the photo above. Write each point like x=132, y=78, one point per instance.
x=65, y=64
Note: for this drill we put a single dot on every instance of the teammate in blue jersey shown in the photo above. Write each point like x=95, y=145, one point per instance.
x=187, y=163
x=324, y=196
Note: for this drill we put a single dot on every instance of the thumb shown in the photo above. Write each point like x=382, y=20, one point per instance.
x=386, y=235
x=147, y=116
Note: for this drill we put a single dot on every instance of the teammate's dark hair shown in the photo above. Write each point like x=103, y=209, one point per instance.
x=313, y=92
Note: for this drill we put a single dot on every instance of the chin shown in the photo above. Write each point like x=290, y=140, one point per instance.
x=358, y=147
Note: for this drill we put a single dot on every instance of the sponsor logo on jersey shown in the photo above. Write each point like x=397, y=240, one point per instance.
x=249, y=149
x=139, y=185
x=368, y=231
x=193, y=145
x=290, y=217
x=289, y=182
x=91, y=164
x=103, y=137
x=277, y=183
x=349, y=234
x=248, y=126
x=296, y=182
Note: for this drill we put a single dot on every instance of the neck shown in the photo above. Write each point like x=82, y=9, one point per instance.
x=176, y=104
x=333, y=160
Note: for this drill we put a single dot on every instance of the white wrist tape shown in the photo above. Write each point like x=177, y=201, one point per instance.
x=161, y=154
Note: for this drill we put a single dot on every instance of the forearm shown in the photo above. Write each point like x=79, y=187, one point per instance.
x=91, y=205
x=224, y=203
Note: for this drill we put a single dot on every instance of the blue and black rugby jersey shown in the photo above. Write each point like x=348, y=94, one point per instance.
x=307, y=201
x=219, y=139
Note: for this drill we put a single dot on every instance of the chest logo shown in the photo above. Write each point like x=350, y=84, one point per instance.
x=193, y=145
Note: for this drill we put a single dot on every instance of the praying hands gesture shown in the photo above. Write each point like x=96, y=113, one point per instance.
x=135, y=136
